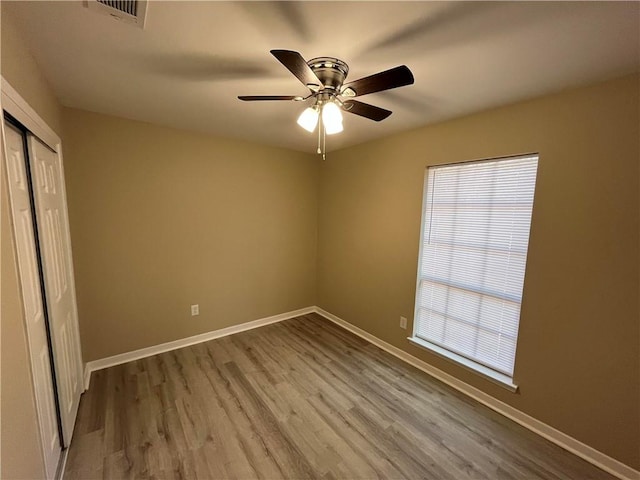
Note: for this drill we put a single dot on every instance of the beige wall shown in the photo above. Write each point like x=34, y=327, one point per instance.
x=162, y=219
x=20, y=444
x=578, y=355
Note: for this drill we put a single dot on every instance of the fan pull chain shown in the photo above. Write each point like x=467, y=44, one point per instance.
x=322, y=140
x=324, y=144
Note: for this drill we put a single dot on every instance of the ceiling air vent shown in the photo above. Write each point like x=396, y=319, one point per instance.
x=128, y=11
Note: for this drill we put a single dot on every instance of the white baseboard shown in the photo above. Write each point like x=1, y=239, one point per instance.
x=561, y=439
x=185, y=342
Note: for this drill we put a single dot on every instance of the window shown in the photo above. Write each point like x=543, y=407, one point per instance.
x=476, y=221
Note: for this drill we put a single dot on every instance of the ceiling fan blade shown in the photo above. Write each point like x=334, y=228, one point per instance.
x=298, y=66
x=365, y=110
x=253, y=98
x=393, y=78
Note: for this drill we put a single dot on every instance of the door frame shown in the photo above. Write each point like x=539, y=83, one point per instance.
x=13, y=103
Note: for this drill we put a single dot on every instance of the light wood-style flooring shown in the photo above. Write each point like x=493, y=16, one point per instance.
x=302, y=398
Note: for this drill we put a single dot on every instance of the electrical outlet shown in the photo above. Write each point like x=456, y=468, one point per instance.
x=195, y=310
x=403, y=322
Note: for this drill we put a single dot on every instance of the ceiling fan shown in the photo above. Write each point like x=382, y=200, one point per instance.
x=324, y=77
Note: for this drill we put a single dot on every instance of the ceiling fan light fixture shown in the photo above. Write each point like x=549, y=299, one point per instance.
x=331, y=118
x=308, y=119
x=335, y=128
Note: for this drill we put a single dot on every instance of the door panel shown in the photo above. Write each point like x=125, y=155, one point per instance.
x=32, y=298
x=49, y=414
x=55, y=246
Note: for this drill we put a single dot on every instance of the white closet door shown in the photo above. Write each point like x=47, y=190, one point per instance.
x=32, y=299
x=55, y=246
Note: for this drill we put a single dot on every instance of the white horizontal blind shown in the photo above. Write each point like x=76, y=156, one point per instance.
x=474, y=249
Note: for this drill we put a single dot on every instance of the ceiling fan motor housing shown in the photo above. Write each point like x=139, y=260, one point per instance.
x=330, y=71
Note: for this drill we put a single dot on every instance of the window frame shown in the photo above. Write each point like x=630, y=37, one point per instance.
x=441, y=351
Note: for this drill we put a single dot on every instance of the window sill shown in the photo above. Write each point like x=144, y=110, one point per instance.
x=493, y=376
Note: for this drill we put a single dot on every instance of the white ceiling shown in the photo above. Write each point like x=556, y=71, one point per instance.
x=191, y=61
